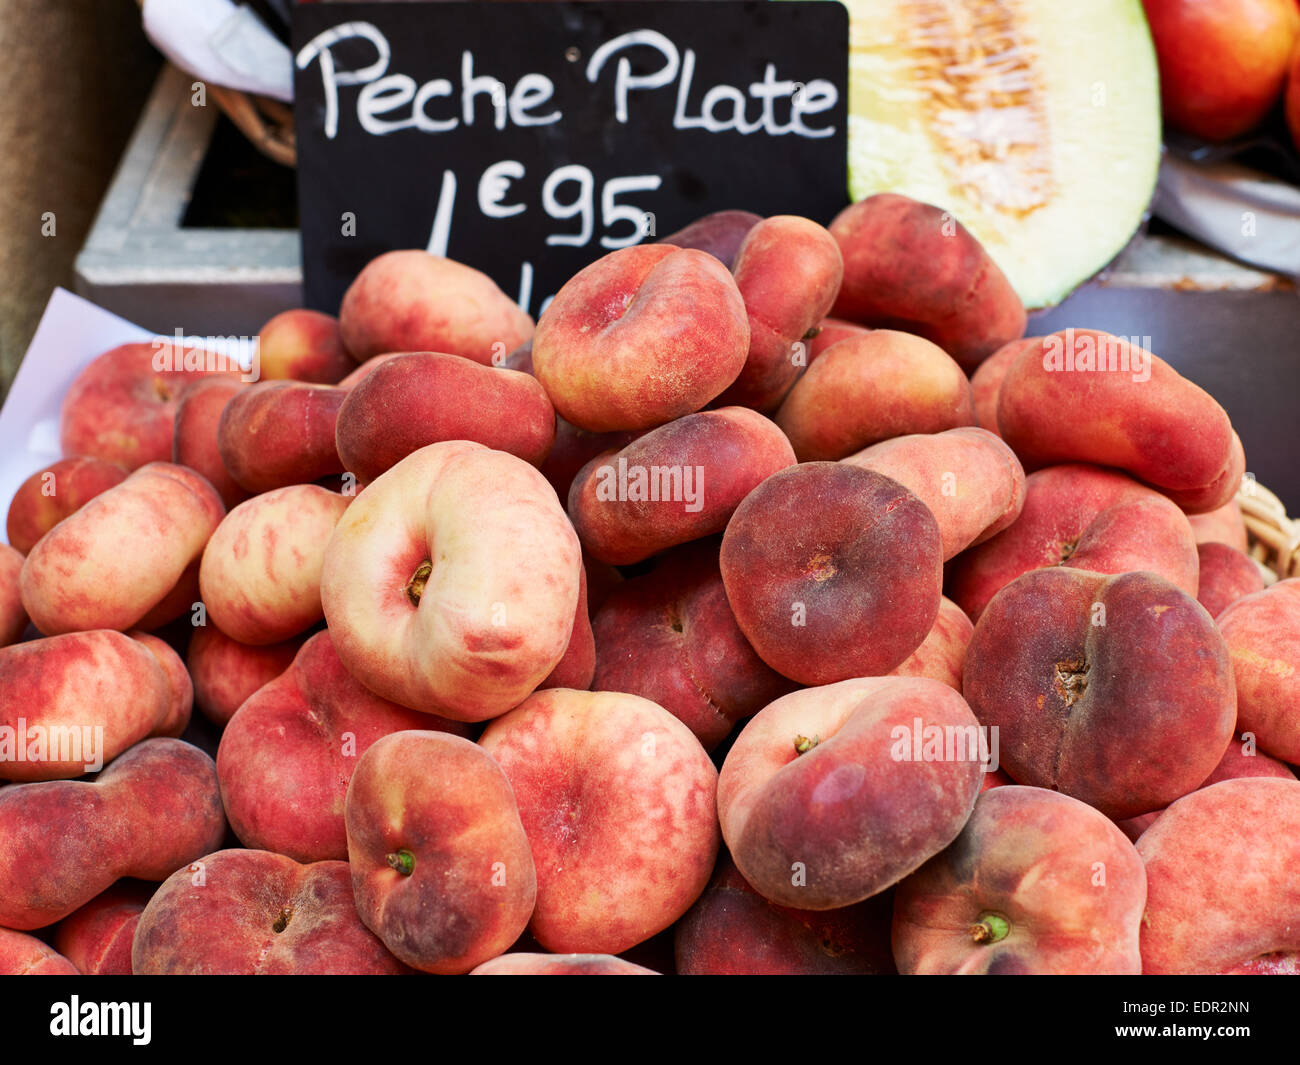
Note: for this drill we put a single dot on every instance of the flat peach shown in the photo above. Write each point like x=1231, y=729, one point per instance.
x=832, y=572
x=674, y=484
x=640, y=337
x=1262, y=632
x=972, y=482
x=49, y=495
x=225, y=672
x=287, y=754
x=871, y=387
x=733, y=931
x=617, y=799
x=1116, y=690
x=413, y=301
x=450, y=584
x=423, y=397
x=251, y=912
x=303, y=345
x=441, y=868
x=261, y=570
x=912, y=266
x=1222, y=894
x=155, y=809
x=130, y=544
x=831, y=794
x=1037, y=882
x=13, y=616
x=788, y=270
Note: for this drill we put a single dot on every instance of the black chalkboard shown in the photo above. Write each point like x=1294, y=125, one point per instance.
x=607, y=130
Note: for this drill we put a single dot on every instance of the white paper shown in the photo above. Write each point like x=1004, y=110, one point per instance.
x=1251, y=216
x=72, y=333
x=220, y=43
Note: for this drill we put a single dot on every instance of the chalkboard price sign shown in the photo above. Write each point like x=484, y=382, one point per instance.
x=529, y=139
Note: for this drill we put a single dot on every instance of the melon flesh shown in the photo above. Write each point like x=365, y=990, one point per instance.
x=1035, y=122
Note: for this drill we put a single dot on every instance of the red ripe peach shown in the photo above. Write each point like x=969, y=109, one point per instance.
x=441, y=868
x=1114, y=690
x=1222, y=891
x=50, y=495
x=733, y=931
x=1083, y=517
x=424, y=397
x=871, y=387
x=1226, y=575
x=368, y=367
x=225, y=672
x=13, y=616
x=677, y=483
x=1244, y=759
x=24, y=955
x=1241, y=759
x=288, y=753
x=670, y=637
x=303, y=345
x=155, y=809
x=971, y=481
x=1262, y=632
x=278, y=433
x=913, y=267
x=640, y=337
x=829, y=332
x=942, y=654
x=70, y=704
x=1127, y=409
x=986, y=381
x=120, y=407
x=110, y=563
x=97, y=938
x=830, y=795
x=1223, y=488
x=250, y=912
x=450, y=584
x=1223, y=525
x=788, y=271
x=832, y=572
x=1037, y=882
x=195, y=443
x=413, y=301
x=261, y=570
x=720, y=234
x=1222, y=63
x=617, y=798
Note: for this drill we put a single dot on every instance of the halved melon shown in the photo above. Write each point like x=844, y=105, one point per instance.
x=1036, y=122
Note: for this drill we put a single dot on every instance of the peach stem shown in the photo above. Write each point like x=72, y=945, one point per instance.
x=403, y=862
x=415, y=586
x=990, y=928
